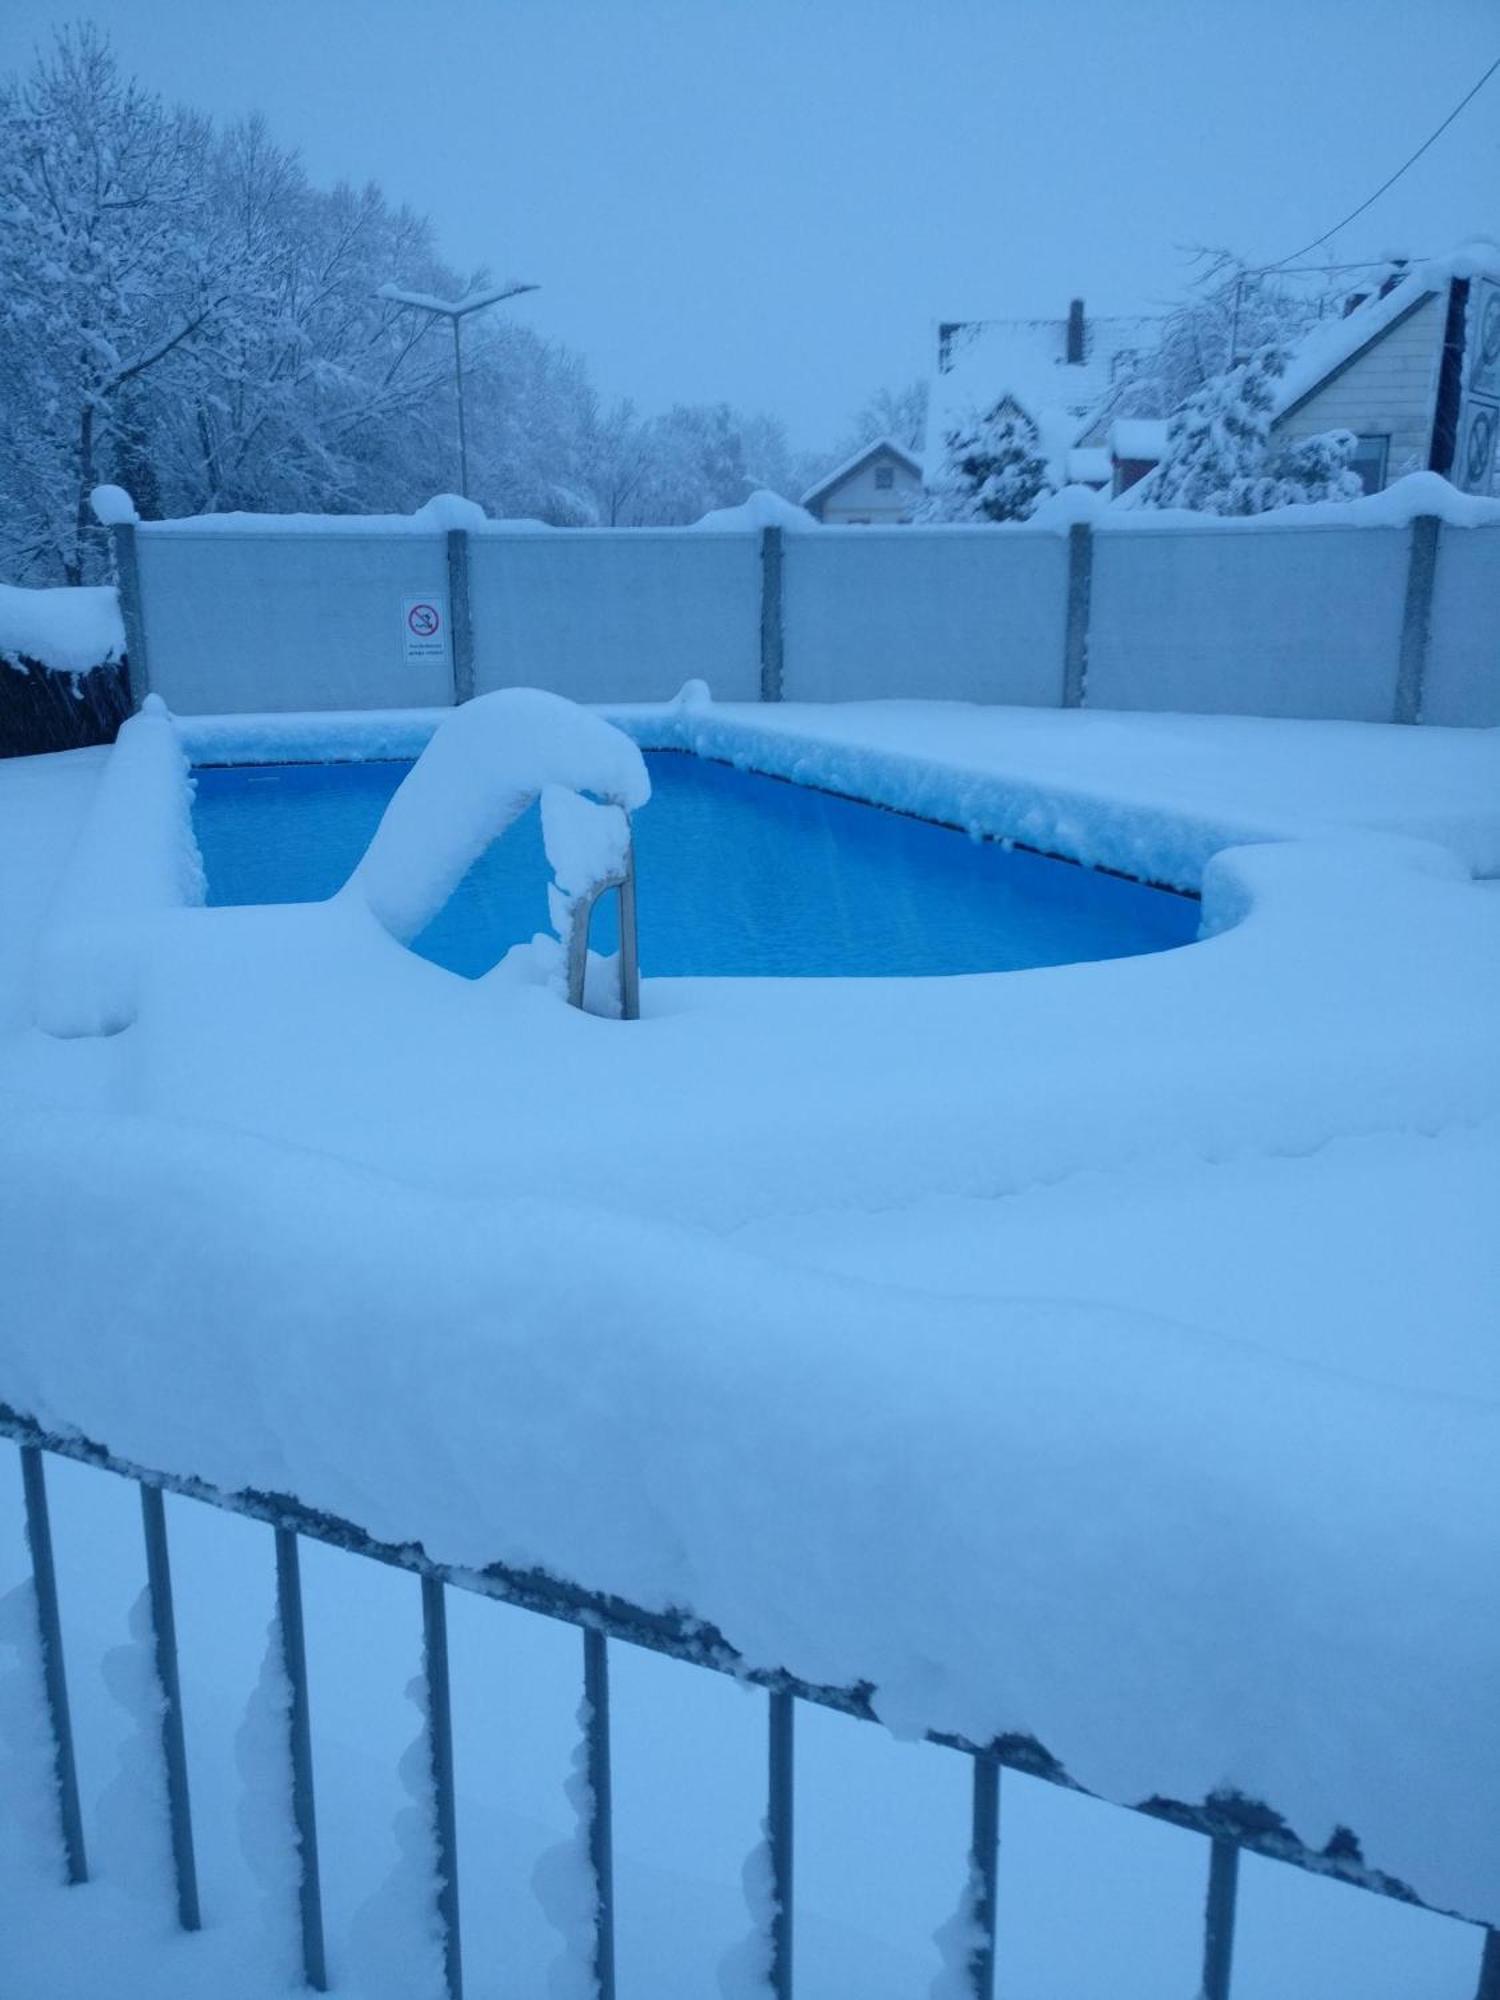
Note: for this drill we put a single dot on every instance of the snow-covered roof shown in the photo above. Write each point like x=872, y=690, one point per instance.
x=1334, y=343
x=1138, y=437
x=862, y=457
x=1089, y=465
x=982, y=361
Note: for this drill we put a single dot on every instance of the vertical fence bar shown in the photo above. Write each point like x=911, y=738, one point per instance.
x=772, y=636
x=781, y=1798
x=174, y=1752
x=461, y=614
x=601, y=1822
x=630, y=950
x=54, y=1677
x=126, y=560
x=1080, y=598
x=984, y=1874
x=1416, y=618
x=304, y=1815
x=1218, y=1918
x=1489, y=1968
x=440, y=1753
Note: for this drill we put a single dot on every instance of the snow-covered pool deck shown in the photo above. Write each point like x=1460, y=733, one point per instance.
x=1103, y=1353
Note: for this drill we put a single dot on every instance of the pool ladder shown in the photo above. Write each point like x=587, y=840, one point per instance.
x=622, y=881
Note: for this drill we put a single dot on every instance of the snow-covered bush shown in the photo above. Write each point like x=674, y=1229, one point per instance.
x=991, y=471
x=1316, y=468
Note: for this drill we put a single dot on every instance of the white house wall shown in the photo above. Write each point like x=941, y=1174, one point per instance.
x=1390, y=391
x=859, y=498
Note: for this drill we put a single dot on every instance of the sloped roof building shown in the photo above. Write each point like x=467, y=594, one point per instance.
x=1065, y=375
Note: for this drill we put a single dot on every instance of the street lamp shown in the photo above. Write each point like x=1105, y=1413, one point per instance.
x=455, y=311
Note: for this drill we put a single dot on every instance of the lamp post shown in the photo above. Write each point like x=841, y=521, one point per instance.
x=455, y=311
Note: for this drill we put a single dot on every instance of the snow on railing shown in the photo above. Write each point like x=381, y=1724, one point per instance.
x=574, y=1882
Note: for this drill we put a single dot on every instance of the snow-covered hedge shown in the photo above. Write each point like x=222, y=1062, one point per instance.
x=60, y=684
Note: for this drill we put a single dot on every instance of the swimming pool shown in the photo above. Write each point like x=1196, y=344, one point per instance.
x=739, y=875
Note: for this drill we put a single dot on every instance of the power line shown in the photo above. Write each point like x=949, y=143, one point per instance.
x=1369, y=202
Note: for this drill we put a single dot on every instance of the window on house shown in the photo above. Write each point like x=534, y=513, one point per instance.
x=885, y=478
x=1369, y=462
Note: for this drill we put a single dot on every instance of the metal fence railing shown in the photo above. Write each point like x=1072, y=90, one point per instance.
x=1228, y=1822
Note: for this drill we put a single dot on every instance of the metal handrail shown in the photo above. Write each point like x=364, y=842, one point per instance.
x=1229, y=1821
x=577, y=945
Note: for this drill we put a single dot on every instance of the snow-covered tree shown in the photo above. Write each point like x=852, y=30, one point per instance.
x=1215, y=461
x=109, y=271
x=900, y=414
x=1220, y=459
x=991, y=471
x=1316, y=468
x=1228, y=312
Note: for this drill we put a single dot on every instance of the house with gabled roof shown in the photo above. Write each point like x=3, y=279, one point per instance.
x=1064, y=375
x=881, y=482
x=1413, y=370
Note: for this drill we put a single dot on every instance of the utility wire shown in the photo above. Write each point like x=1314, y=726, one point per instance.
x=1431, y=139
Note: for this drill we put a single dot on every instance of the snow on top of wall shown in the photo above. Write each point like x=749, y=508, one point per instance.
x=483, y=766
x=1331, y=344
x=69, y=630
x=113, y=507
x=761, y=509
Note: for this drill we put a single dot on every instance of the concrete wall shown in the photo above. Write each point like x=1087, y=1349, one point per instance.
x=1326, y=619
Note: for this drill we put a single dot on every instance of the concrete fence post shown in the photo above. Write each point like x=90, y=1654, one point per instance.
x=124, y=560
x=1080, y=594
x=771, y=632
x=1416, y=617
x=460, y=612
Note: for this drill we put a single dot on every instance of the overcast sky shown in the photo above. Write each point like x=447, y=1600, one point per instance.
x=773, y=201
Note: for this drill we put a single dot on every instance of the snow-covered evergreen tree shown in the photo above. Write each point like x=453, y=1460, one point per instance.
x=1215, y=461
x=1316, y=468
x=991, y=471
x=1220, y=460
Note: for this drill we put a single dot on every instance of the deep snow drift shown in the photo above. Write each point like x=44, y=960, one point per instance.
x=1009, y=1341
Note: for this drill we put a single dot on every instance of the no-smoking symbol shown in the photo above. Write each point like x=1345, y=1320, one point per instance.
x=424, y=620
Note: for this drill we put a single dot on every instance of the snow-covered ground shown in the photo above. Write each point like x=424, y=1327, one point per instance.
x=1100, y=1351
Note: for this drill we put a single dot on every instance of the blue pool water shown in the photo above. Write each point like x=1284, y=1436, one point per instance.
x=738, y=875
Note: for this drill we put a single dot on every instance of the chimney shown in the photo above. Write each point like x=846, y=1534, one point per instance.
x=1075, y=332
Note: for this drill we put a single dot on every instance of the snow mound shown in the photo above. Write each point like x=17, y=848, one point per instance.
x=113, y=507
x=485, y=764
x=135, y=857
x=449, y=510
x=761, y=510
x=68, y=630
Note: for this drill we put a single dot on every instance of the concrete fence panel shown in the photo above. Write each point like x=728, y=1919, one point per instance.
x=953, y=614
x=1463, y=654
x=239, y=621
x=1249, y=620
x=625, y=614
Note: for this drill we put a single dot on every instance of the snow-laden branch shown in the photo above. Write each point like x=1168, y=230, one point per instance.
x=453, y=308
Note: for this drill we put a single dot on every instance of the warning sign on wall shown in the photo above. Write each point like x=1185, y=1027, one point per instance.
x=424, y=630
